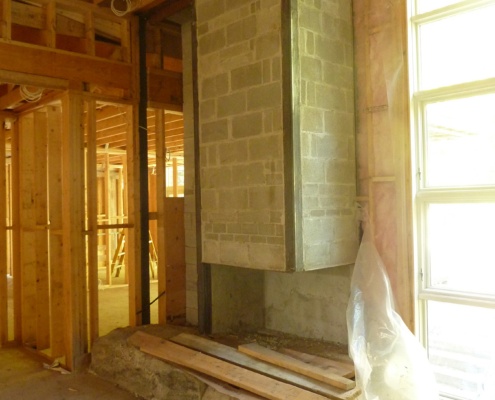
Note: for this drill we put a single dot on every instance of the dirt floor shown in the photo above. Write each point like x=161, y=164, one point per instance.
x=22, y=376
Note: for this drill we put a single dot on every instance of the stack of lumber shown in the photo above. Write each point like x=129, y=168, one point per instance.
x=278, y=375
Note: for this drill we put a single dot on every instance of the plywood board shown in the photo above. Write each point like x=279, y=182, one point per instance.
x=230, y=354
x=232, y=374
x=271, y=356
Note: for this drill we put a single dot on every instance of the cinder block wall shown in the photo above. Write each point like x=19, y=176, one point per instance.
x=327, y=144
x=313, y=304
x=240, y=105
x=241, y=129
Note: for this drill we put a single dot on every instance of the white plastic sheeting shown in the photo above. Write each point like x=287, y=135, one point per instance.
x=390, y=362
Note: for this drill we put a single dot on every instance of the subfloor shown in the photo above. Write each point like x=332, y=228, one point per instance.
x=22, y=376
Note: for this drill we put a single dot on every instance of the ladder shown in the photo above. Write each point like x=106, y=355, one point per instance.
x=118, y=259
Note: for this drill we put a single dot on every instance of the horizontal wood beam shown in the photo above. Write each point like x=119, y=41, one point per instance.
x=167, y=9
x=28, y=59
x=11, y=99
x=19, y=78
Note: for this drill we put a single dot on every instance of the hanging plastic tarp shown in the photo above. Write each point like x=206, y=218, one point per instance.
x=390, y=362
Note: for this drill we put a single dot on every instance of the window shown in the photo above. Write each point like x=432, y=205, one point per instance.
x=453, y=105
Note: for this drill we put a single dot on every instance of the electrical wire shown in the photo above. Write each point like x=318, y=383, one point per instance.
x=31, y=96
x=129, y=6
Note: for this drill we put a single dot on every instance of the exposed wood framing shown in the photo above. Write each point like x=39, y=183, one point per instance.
x=165, y=87
x=41, y=236
x=167, y=9
x=161, y=216
x=16, y=232
x=27, y=168
x=5, y=20
x=3, y=241
x=11, y=99
x=106, y=208
x=142, y=148
x=175, y=262
x=90, y=32
x=29, y=59
x=57, y=292
x=50, y=25
x=92, y=218
x=85, y=51
x=133, y=251
x=73, y=227
x=15, y=77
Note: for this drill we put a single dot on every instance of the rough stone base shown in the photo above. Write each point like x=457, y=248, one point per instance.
x=148, y=377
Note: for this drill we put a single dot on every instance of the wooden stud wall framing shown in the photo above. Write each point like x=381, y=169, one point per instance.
x=5, y=20
x=57, y=293
x=54, y=218
x=133, y=253
x=133, y=250
x=3, y=240
x=27, y=221
x=41, y=235
x=60, y=39
x=161, y=215
x=92, y=218
x=16, y=242
x=74, y=250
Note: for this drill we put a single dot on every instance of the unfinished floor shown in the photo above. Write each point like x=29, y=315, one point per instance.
x=122, y=357
x=22, y=376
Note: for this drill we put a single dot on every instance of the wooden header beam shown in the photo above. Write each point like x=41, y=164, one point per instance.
x=34, y=60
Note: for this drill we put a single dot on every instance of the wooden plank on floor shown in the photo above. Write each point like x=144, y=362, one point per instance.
x=338, y=367
x=271, y=356
x=230, y=354
x=230, y=373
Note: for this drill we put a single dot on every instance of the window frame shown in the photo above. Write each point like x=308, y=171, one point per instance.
x=423, y=195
